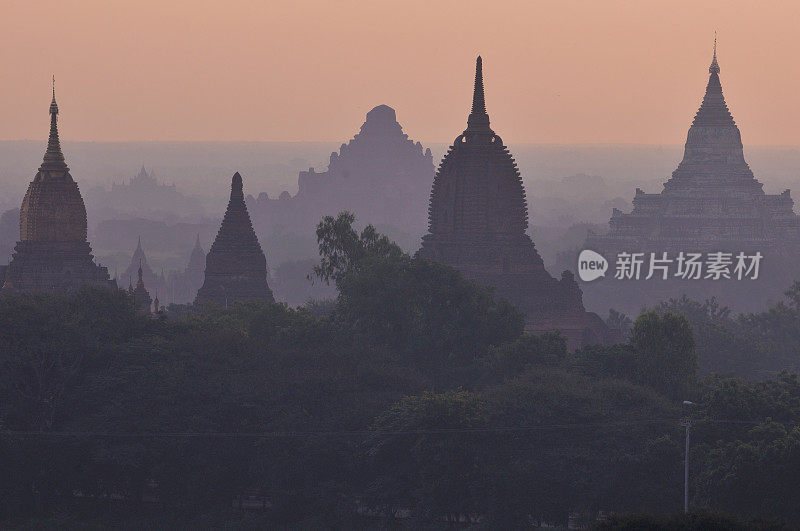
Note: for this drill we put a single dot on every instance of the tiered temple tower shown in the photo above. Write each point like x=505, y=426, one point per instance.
x=236, y=268
x=711, y=203
x=478, y=216
x=53, y=253
x=380, y=175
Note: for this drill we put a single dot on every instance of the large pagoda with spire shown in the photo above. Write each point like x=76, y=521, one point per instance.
x=53, y=253
x=236, y=268
x=478, y=216
x=712, y=198
x=712, y=203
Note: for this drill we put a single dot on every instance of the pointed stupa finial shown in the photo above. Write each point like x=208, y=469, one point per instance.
x=53, y=157
x=140, y=269
x=714, y=68
x=478, y=98
x=478, y=118
x=53, y=104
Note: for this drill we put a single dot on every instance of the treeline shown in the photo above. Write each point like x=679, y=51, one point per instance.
x=749, y=345
x=414, y=397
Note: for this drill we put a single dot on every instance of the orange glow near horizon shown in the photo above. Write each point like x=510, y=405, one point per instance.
x=555, y=72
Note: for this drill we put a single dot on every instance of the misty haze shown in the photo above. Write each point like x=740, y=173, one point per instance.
x=399, y=266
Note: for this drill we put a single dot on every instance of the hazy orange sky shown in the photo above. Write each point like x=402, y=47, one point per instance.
x=556, y=71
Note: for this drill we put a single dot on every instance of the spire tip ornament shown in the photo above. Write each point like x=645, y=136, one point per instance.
x=714, y=68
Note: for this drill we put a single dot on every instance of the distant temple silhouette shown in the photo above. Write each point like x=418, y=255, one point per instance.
x=712, y=203
x=236, y=268
x=182, y=286
x=478, y=216
x=143, y=196
x=53, y=253
x=139, y=261
x=141, y=297
x=380, y=175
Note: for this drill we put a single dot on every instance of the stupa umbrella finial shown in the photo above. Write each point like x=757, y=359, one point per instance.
x=714, y=68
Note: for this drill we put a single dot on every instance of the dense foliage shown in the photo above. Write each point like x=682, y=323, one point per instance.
x=413, y=397
x=752, y=345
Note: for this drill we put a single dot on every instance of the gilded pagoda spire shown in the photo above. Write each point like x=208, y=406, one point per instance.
x=53, y=157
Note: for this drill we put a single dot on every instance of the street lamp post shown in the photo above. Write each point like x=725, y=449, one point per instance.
x=686, y=422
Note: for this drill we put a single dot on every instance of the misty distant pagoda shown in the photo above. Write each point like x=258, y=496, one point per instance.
x=236, y=268
x=141, y=297
x=712, y=203
x=380, y=175
x=139, y=261
x=53, y=254
x=478, y=216
x=182, y=286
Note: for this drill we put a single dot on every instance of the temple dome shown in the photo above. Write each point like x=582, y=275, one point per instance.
x=53, y=209
x=382, y=113
x=381, y=123
x=478, y=188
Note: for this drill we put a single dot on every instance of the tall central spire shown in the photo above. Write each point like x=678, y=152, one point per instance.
x=53, y=157
x=713, y=110
x=478, y=99
x=478, y=120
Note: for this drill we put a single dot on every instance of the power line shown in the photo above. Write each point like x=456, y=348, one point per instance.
x=360, y=433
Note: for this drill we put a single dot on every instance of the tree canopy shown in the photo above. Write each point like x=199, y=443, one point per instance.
x=413, y=397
